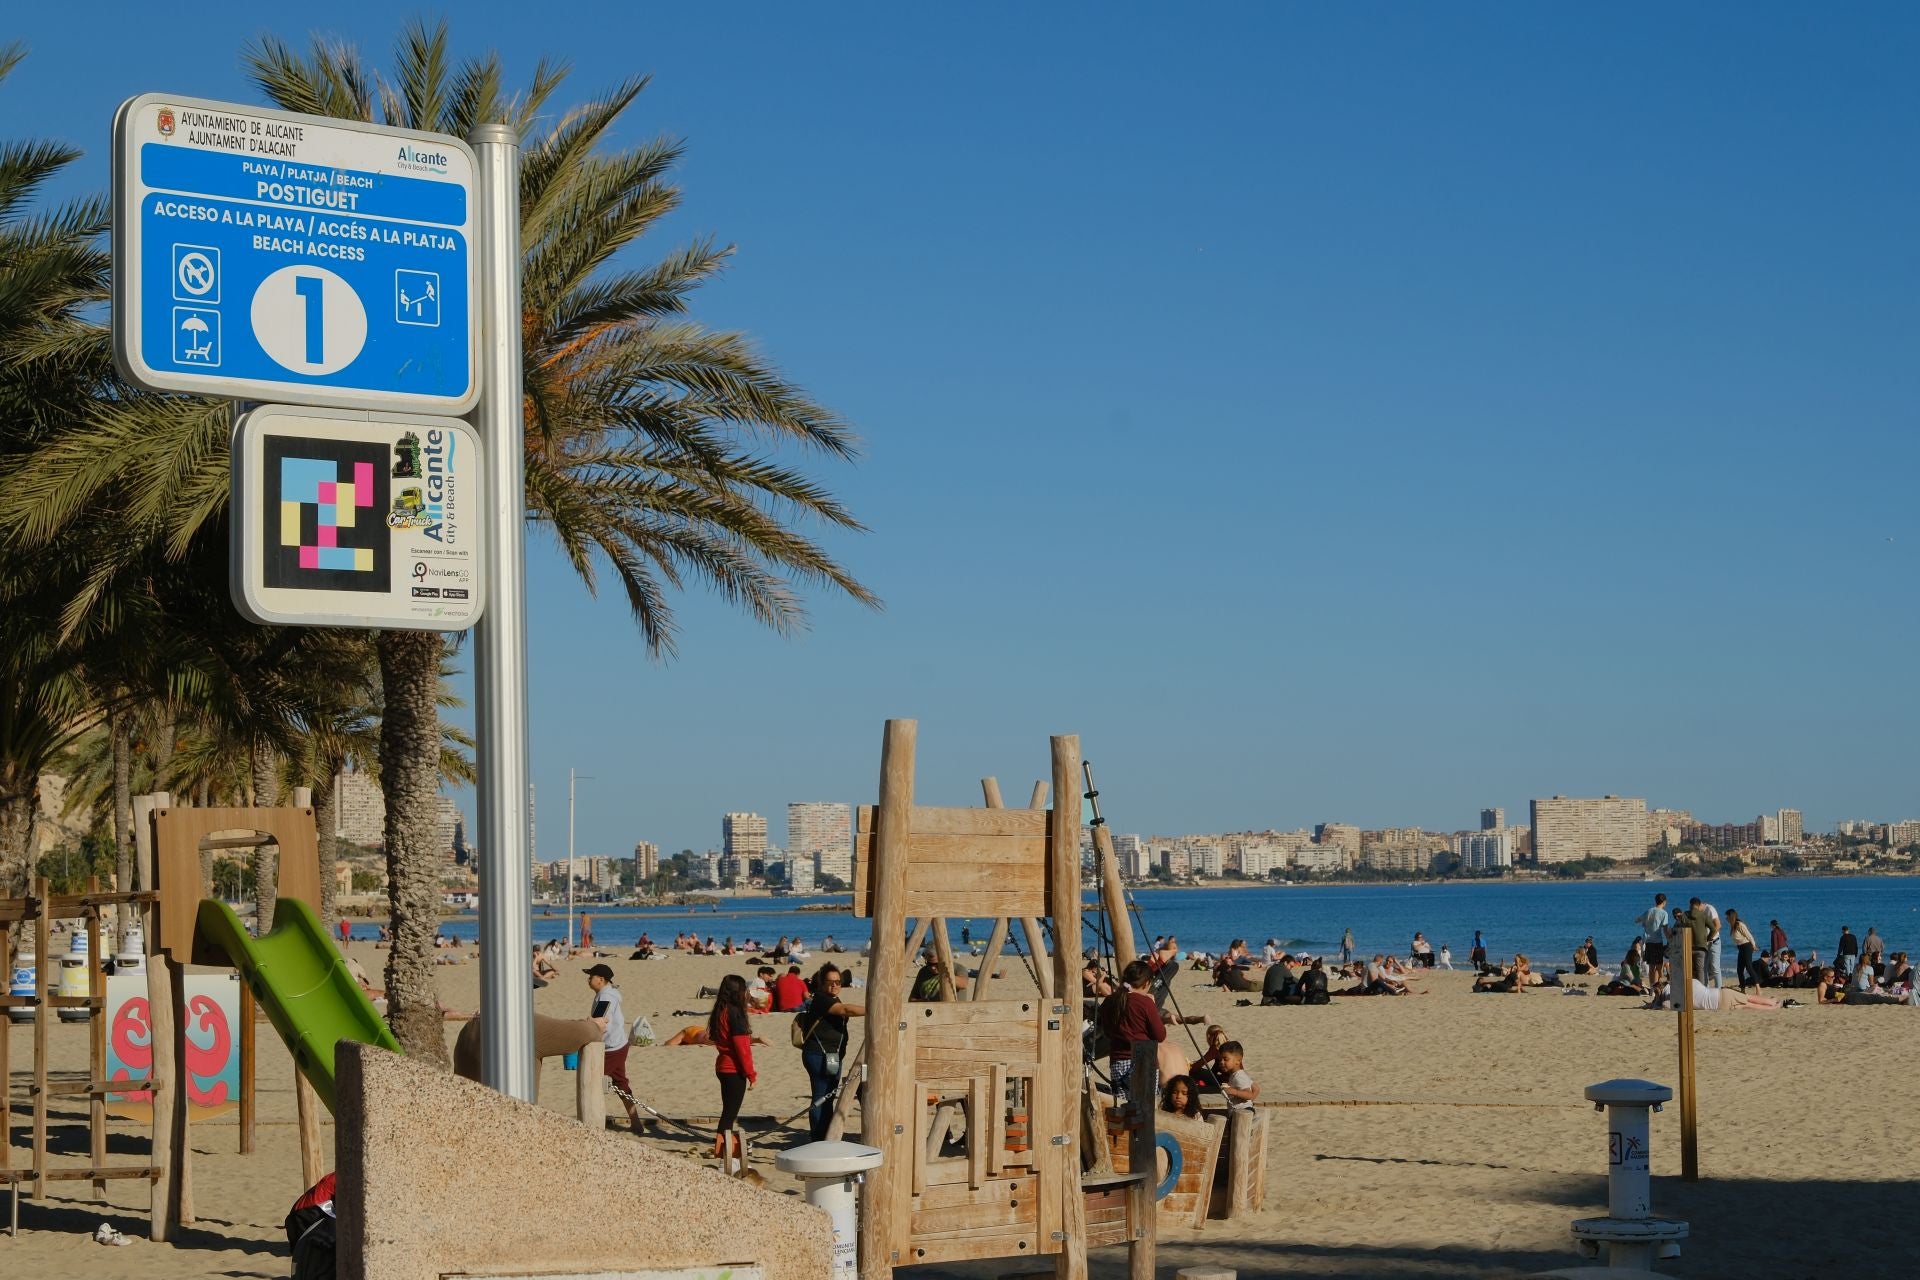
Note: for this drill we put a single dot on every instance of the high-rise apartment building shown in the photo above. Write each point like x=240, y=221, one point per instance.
x=822, y=830
x=646, y=861
x=1343, y=834
x=1902, y=834
x=360, y=809
x=1793, y=827
x=1132, y=854
x=1573, y=829
x=1493, y=819
x=1487, y=850
x=744, y=836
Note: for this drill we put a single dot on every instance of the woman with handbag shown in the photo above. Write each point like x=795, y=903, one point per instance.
x=821, y=1032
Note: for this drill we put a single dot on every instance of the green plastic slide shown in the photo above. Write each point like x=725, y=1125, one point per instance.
x=299, y=978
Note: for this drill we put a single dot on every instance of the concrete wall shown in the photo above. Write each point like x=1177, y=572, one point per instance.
x=439, y=1174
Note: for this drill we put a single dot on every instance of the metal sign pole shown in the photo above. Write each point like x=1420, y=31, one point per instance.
x=500, y=639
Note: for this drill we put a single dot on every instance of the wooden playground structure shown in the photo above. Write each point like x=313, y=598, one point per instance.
x=1022, y=1176
x=168, y=846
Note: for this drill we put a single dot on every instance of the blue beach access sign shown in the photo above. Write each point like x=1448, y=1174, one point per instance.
x=264, y=255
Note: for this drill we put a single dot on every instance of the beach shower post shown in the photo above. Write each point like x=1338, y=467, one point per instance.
x=1632, y=1236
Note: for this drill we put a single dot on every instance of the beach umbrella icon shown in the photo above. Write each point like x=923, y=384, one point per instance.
x=196, y=329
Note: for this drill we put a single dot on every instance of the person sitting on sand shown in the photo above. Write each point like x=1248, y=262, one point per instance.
x=831, y=947
x=1313, y=983
x=1231, y=976
x=759, y=990
x=1180, y=1097
x=1422, y=951
x=1376, y=981
x=543, y=970
x=1280, y=986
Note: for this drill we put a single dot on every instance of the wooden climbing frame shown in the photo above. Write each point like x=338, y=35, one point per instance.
x=976, y=1101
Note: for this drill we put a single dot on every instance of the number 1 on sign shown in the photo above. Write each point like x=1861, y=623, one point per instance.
x=313, y=289
x=308, y=320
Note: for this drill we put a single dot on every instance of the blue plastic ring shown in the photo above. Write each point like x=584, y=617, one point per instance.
x=1167, y=1143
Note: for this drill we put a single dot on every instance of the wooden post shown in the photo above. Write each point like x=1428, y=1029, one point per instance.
x=96, y=1043
x=43, y=988
x=990, y=790
x=591, y=1084
x=943, y=951
x=851, y=1073
x=886, y=1105
x=247, y=1075
x=1038, y=800
x=163, y=1086
x=143, y=807
x=1037, y=944
x=1142, y=1216
x=996, y=943
x=1680, y=985
x=177, y=1068
x=1113, y=895
x=1063, y=893
x=313, y=1158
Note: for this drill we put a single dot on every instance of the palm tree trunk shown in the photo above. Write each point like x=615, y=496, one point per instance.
x=121, y=734
x=324, y=820
x=410, y=779
x=266, y=794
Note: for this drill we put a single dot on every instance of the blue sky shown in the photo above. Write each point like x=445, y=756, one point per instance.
x=1358, y=413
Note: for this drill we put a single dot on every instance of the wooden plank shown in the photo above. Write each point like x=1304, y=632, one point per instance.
x=960, y=820
x=948, y=850
x=182, y=1199
x=1044, y=1122
x=1000, y=1214
x=996, y=899
x=931, y=1131
x=996, y=943
x=933, y=1016
x=996, y=1118
x=979, y=1133
x=947, y=1196
x=993, y=1243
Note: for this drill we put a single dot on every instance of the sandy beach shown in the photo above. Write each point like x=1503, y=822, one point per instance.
x=1439, y=1134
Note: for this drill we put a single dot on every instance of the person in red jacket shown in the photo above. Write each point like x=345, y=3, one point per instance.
x=1130, y=1016
x=732, y=1037
x=789, y=991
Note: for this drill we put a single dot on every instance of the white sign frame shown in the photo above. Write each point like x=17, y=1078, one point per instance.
x=134, y=126
x=444, y=556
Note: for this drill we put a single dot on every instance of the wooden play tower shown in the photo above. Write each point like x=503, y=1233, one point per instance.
x=976, y=1101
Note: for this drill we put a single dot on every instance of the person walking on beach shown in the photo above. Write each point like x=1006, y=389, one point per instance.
x=1744, y=947
x=1777, y=940
x=1346, y=947
x=612, y=1017
x=731, y=1035
x=823, y=1030
x=1653, y=924
x=1873, y=948
x=1478, y=956
x=1846, y=954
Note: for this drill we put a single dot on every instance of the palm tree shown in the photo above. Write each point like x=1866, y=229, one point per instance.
x=652, y=443
x=647, y=435
x=53, y=270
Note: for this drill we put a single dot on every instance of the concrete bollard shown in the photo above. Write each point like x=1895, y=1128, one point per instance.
x=833, y=1172
x=589, y=1081
x=1630, y=1233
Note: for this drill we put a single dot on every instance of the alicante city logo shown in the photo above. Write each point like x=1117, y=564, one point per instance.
x=164, y=120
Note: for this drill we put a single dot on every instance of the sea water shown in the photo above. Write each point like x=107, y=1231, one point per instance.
x=1545, y=919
